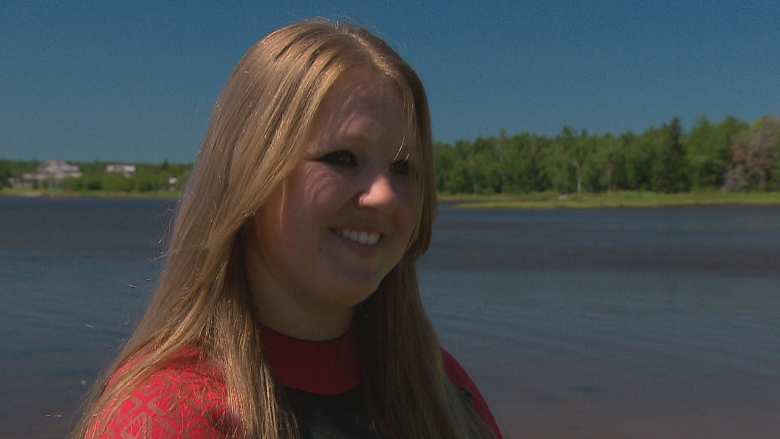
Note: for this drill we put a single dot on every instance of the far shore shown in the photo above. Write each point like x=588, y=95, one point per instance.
x=545, y=200
x=609, y=200
x=57, y=193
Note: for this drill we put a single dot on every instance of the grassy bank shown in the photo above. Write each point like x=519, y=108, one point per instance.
x=59, y=193
x=543, y=200
x=611, y=200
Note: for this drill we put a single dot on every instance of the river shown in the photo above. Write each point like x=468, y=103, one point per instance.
x=629, y=323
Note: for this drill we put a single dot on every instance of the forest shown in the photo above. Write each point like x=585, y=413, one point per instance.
x=732, y=155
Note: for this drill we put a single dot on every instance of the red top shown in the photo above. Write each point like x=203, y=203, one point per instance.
x=326, y=368
x=186, y=399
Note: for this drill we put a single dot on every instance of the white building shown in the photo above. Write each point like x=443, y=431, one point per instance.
x=126, y=170
x=53, y=172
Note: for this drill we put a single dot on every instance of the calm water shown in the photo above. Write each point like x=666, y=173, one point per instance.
x=623, y=323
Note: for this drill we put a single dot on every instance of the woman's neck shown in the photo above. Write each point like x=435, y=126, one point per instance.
x=301, y=325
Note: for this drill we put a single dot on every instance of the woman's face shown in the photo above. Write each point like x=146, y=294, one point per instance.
x=344, y=216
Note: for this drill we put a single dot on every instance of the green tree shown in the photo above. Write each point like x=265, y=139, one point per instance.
x=608, y=171
x=559, y=168
x=523, y=165
x=669, y=170
x=116, y=183
x=707, y=148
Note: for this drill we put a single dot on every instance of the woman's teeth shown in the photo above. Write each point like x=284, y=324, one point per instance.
x=360, y=237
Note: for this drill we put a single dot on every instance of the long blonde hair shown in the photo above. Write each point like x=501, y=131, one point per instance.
x=259, y=126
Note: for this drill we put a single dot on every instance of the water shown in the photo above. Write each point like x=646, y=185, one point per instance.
x=74, y=278
x=623, y=323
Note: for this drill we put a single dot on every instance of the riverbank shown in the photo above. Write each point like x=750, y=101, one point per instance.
x=610, y=200
x=58, y=193
x=542, y=200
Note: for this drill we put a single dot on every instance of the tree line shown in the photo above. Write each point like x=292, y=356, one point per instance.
x=731, y=155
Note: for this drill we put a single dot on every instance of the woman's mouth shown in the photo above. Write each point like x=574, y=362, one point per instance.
x=361, y=237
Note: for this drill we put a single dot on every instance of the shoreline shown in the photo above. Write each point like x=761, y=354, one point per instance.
x=611, y=200
x=55, y=193
x=623, y=199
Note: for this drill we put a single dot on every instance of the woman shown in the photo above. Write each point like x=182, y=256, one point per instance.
x=288, y=305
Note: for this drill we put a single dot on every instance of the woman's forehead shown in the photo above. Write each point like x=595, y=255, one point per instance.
x=363, y=102
x=360, y=89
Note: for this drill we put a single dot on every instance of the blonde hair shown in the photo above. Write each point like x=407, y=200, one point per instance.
x=259, y=126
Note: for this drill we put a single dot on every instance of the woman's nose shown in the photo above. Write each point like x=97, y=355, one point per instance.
x=379, y=192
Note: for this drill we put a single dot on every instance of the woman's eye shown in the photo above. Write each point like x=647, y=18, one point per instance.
x=400, y=167
x=339, y=158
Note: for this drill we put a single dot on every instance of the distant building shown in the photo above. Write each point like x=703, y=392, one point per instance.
x=126, y=170
x=51, y=173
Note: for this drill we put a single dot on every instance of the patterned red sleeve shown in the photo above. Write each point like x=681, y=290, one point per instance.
x=461, y=380
x=178, y=402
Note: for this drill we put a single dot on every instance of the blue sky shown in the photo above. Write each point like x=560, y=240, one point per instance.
x=136, y=81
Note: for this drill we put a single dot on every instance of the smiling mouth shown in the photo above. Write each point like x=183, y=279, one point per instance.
x=364, y=238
